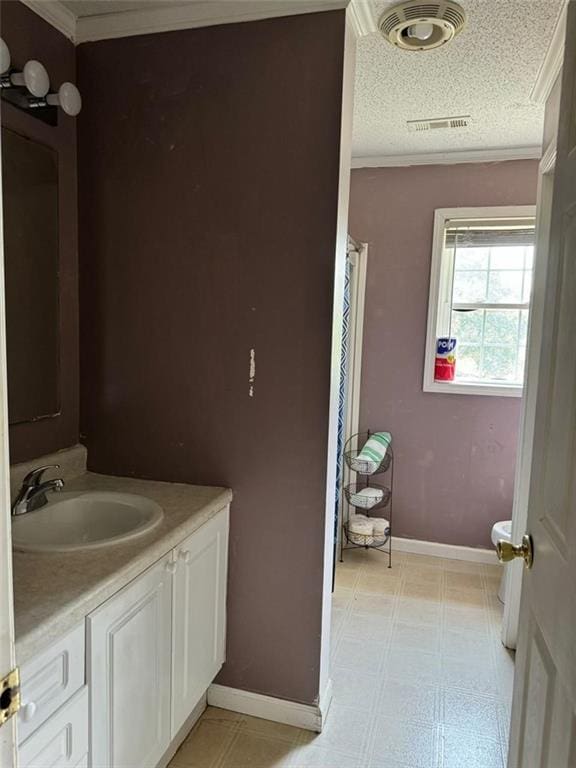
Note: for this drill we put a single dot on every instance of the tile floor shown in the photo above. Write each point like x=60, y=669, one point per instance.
x=421, y=679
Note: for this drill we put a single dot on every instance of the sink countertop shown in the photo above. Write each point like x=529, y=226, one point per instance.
x=54, y=592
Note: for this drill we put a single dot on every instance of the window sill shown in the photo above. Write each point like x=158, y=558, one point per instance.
x=460, y=388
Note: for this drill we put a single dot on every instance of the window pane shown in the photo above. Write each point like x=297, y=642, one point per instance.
x=471, y=258
x=468, y=361
x=499, y=363
x=502, y=327
x=469, y=286
x=507, y=257
x=467, y=326
x=487, y=265
x=505, y=287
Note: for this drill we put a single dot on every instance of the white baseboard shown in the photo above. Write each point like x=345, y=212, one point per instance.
x=311, y=717
x=325, y=703
x=450, y=551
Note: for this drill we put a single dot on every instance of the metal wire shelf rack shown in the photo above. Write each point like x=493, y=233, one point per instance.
x=377, y=504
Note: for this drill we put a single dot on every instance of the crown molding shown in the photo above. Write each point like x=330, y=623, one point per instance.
x=55, y=14
x=449, y=158
x=362, y=16
x=143, y=21
x=552, y=64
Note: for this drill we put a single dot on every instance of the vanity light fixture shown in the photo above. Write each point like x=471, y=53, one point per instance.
x=37, y=96
x=34, y=76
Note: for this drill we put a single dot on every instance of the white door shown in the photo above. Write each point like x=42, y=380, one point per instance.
x=129, y=672
x=543, y=731
x=198, y=615
x=7, y=657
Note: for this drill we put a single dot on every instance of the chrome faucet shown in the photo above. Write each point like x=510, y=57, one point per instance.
x=32, y=495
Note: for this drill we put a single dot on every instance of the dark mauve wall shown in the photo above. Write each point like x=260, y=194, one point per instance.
x=30, y=37
x=455, y=454
x=208, y=204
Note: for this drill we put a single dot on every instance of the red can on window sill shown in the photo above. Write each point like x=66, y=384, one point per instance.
x=445, y=365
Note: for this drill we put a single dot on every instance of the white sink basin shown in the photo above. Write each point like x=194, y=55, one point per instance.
x=74, y=521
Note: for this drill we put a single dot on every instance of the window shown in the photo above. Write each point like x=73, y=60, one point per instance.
x=480, y=288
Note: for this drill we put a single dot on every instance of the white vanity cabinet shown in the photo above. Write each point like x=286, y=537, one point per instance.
x=199, y=615
x=154, y=648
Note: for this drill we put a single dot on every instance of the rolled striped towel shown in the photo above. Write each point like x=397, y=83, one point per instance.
x=372, y=454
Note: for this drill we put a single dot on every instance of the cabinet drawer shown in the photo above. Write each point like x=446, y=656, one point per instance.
x=49, y=680
x=62, y=741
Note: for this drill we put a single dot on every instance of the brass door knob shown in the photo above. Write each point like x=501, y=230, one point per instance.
x=507, y=551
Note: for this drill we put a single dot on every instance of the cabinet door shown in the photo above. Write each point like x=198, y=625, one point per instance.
x=199, y=615
x=129, y=648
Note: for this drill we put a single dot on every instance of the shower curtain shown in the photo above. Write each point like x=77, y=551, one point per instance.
x=342, y=402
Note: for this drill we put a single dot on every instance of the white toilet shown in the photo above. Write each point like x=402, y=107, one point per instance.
x=502, y=530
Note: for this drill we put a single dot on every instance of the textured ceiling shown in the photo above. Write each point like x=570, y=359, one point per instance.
x=488, y=72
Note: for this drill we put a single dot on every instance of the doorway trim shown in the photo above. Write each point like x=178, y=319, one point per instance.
x=513, y=589
x=7, y=650
x=324, y=683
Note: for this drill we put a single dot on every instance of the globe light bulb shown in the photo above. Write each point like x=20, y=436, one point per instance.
x=421, y=31
x=68, y=98
x=4, y=57
x=34, y=77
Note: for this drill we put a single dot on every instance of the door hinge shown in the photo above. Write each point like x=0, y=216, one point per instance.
x=9, y=695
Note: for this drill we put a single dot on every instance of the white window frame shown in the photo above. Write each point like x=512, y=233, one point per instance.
x=440, y=280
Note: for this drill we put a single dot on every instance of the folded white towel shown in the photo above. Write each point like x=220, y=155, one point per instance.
x=367, y=497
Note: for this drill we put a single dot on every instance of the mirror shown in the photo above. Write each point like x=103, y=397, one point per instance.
x=31, y=262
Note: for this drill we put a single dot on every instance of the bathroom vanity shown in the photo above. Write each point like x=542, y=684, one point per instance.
x=117, y=646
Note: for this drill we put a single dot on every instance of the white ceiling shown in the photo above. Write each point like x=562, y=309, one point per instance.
x=487, y=72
